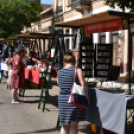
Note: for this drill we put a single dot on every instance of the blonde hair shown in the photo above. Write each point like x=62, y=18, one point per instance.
x=69, y=58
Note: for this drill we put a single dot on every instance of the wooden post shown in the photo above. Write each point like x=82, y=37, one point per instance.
x=129, y=55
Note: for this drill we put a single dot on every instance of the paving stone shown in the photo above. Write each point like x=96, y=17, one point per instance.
x=26, y=118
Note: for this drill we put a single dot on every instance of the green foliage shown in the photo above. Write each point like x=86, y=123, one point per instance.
x=15, y=14
x=129, y=4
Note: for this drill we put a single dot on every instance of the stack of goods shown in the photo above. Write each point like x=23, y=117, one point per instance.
x=114, y=86
x=36, y=67
x=91, y=82
x=42, y=67
x=87, y=47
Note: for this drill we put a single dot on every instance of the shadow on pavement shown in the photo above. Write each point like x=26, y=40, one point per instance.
x=31, y=96
x=4, y=82
x=50, y=100
x=53, y=100
x=42, y=131
x=34, y=101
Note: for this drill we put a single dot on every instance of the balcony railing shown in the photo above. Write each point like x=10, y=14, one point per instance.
x=59, y=9
x=78, y=3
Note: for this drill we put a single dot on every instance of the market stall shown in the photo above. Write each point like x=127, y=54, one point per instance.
x=97, y=58
x=7, y=54
x=49, y=68
x=34, y=72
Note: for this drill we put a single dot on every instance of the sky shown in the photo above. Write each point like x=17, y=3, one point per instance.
x=47, y=1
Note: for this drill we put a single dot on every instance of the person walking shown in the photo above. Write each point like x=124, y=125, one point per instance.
x=69, y=115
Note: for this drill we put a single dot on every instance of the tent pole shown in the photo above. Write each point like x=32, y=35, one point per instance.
x=129, y=55
x=63, y=43
x=75, y=38
x=34, y=44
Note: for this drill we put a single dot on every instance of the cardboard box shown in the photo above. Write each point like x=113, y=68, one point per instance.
x=125, y=80
x=36, y=86
x=95, y=129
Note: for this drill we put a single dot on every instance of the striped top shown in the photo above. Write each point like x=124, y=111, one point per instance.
x=66, y=78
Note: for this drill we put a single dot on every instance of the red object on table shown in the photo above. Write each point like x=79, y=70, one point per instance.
x=48, y=54
x=104, y=131
x=32, y=75
x=27, y=71
x=44, y=63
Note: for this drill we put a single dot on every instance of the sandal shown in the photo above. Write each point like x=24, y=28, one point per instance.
x=19, y=95
x=15, y=102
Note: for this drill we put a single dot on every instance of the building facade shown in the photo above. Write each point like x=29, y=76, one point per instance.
x=43, y=26
x=66, y=10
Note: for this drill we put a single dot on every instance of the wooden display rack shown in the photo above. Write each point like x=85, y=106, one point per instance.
x=90, y=56
x=87, y=59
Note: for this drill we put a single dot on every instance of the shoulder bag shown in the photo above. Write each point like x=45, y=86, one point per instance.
x=77, y=96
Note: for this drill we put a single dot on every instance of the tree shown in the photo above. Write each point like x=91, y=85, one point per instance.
x=123, y=4
x=15, y=14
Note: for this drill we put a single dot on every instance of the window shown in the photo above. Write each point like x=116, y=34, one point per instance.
x=59, y=3
x=103, y=39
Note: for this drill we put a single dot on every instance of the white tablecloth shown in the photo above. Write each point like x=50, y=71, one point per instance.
x=108, y=110
x=4, y=67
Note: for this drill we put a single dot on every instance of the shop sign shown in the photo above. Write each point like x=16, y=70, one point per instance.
x=113, y=25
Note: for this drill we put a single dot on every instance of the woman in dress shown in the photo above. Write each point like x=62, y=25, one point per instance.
x=18, y=73
x=69, y=115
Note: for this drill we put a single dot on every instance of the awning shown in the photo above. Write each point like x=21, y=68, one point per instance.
x=13, y=40
x=34, y=36
x=43, y=35
x=6, y=40
x=96, y=18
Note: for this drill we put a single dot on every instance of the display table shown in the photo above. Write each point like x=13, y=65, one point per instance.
x=33, y=75
x=108, y=110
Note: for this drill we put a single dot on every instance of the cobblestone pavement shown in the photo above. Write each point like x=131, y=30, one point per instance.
x=26, y=118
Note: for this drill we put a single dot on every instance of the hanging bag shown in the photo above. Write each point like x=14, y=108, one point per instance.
x=78, y=97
